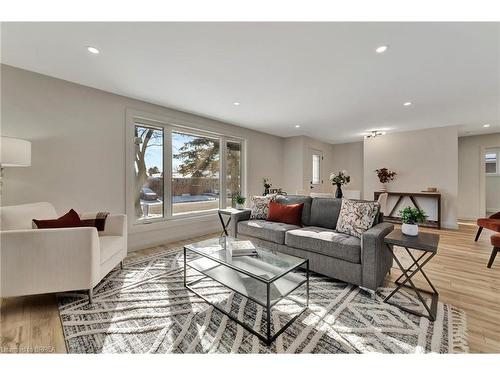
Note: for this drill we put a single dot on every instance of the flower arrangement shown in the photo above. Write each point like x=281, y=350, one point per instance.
x=341, y=177
x=267, y=185
x=385, y=175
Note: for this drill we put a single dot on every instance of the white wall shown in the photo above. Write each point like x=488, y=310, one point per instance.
x=78, y=149
x=471, y=177
x=349, y=156
x=493, y=193
x=425, y=158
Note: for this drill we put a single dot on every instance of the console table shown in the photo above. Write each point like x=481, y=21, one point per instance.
x=413, y=198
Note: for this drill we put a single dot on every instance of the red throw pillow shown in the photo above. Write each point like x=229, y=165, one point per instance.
x=285, y=213
x=69, y=220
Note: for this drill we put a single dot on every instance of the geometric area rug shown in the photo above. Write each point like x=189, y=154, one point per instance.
x=145, y=308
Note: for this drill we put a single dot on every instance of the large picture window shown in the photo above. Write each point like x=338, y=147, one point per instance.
x=182, y=171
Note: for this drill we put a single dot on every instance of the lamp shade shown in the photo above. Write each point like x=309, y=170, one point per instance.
x=15, y=152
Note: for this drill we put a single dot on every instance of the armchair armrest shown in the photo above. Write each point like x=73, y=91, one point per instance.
x=376, y=260
x=495, y=216
x=49, y=260
x=116, y=225
x=235, y=218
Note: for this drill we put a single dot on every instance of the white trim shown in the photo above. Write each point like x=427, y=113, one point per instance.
x=170, y=124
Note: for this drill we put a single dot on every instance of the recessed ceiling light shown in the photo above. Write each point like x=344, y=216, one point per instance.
x=93, y=50
x=486, y=125
x=297, y=126
x=407, y=104
x=236, y=103
x=381, y=49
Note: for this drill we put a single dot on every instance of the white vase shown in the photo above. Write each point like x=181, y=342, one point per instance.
x=409, y=229
x=383, y=188
x=240, y=206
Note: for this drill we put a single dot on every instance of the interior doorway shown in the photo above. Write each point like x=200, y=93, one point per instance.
x=315, y=171
x=491, y=159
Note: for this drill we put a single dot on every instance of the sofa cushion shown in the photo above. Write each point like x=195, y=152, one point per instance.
x=285, y=213
x=325, y=241
x=297, y=199
x=265, y=230
x=260, y=206
x=325, y=212
x=110, y=245
x=356, y=217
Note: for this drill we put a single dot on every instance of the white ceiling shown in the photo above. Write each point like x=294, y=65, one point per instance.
x=324, y=76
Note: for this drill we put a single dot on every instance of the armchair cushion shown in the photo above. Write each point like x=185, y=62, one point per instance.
x=68, y=220
x=21, y=216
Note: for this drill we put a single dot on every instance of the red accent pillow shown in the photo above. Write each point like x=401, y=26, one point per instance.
x=69, y=220
x=285, y=213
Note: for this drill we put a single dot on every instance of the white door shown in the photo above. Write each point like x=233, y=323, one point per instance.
x=315, y=171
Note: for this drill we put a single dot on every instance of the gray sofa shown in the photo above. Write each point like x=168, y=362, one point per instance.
x=363, y=262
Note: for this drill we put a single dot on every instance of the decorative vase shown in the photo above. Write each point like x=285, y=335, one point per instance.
x=240, y=206
x=409, y=229
x=383, y=188
x=338, y=193
x=266, y=191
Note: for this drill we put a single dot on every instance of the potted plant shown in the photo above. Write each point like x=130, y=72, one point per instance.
x=410, y=218
x=385, y=176
x=340, y=178
x=239, y=201
x=267, y=185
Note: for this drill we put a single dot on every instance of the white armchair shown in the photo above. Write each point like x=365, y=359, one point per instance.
x=36, y=261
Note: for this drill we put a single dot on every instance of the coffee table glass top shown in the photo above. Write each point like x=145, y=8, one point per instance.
x=266, y=265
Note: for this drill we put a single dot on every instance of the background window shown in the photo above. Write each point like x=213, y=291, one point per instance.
x=316, y=169
x=148, y=172
x=195, y=173
x=233, y=171
x=491, y=162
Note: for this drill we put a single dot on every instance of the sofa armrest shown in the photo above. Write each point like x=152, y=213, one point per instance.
x=35, y=261
x=376, y=259
x=116, y=225
x=237, y=217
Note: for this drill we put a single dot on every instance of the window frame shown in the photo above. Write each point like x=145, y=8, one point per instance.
x=169, y=125
x=492, y=151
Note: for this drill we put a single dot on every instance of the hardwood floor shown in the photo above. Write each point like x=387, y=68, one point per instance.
x=458, y=271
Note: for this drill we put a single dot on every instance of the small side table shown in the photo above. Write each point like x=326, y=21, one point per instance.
x=427, y=243
x=227, y=212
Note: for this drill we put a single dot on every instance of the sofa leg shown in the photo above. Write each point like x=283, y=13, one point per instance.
x=121, y=264
x=479, y=230
x=91, y=295
x=493, y=255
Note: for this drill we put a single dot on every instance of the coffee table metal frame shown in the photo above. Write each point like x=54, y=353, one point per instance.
x=268, y=338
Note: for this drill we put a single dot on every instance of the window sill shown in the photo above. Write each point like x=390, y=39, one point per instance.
x=175, y=221
x=492, y=174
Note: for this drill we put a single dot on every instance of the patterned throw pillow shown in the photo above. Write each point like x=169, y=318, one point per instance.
x=356, y=217
x=260, y=206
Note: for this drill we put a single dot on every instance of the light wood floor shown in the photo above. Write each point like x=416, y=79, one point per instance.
x=31, y=324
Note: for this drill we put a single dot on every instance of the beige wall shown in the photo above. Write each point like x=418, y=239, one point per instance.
x=421, y=158
x=298, y=163
x=78, y=149
x=349, y=156
x=471, y=176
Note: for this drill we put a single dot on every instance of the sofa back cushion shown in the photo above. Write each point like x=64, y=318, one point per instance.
x=21, y=216
x=325, y=212
x=297, y=199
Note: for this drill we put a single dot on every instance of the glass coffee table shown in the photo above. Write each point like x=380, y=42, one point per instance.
x=265, y=278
